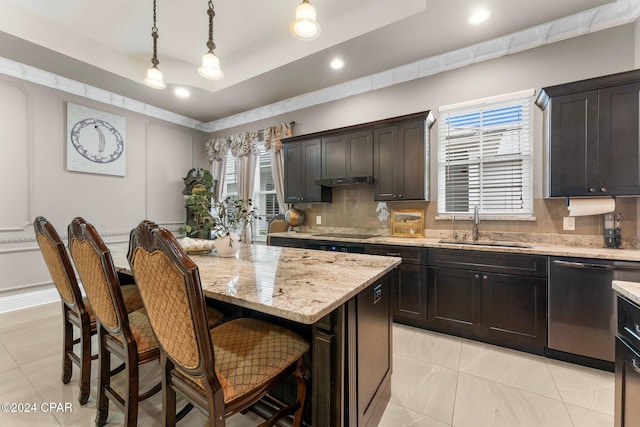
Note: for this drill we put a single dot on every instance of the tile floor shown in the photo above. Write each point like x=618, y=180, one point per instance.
x=438, y=380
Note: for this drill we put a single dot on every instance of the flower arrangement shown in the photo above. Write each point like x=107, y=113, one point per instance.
x=218, y=216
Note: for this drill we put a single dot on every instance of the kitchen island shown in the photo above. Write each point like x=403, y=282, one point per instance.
x=340, y=302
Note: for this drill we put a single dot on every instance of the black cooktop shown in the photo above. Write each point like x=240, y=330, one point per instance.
x=346, y=235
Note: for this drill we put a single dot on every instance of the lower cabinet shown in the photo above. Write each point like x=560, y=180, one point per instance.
x=500, y=298
x=408, y=283
x=627, y=364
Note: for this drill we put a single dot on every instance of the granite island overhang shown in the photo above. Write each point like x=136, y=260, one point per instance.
x=342, y=300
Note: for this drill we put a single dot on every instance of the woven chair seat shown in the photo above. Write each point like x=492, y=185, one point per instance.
x=248, y=353
x=141, y=330
x=131, y=297
x=214, y=317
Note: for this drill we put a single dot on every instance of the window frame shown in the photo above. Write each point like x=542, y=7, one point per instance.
x=515, y=141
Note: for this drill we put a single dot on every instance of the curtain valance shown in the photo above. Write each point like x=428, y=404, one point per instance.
x=244, y=143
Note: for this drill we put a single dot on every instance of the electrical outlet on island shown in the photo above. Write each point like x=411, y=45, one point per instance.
x=318, y=220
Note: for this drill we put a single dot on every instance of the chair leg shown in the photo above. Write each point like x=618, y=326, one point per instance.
x=301, y=375
x=85, y=362
x=168, y=394
x=104, y=380
x=131, y=401
x=67, y=347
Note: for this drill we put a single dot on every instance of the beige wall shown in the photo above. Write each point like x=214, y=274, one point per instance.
x=35, y=180
x=596, y=54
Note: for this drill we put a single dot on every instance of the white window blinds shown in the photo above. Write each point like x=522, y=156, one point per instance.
x=485, y=156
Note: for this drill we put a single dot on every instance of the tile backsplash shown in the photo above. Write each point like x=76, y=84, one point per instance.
x=354, y=210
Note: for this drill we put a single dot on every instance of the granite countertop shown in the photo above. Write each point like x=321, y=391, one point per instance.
x=296, y=284
x=514, y=247
x=631, y=290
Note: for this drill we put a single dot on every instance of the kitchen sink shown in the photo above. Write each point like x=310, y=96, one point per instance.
x=485, y=243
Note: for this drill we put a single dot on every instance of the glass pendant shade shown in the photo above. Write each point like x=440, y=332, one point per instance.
x=154, y=79
x=305, y=27
x=210, y=68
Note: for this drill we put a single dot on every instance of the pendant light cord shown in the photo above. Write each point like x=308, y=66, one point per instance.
x=154, y=34
x=210, y=44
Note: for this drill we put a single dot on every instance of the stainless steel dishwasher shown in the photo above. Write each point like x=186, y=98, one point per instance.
x=582, y=319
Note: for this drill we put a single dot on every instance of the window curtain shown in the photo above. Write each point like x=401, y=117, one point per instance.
x=244, y=147
x=217, y=150
x=272, y=142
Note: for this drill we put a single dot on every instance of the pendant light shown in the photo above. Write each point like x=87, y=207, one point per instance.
x=154, y=75
x=210, y=68
x=305, y=27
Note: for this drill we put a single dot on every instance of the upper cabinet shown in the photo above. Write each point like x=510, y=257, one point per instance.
x=302, y=167
x=347, y=155
x=592, y=139
x=400, y=159
x=391, y=153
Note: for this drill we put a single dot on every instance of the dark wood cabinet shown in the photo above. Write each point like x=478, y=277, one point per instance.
x=347, y=155
x=494, y=297
x=408, y=283
x=302, y=167
x=627, y=364
x=399, y=159
x=592, y=136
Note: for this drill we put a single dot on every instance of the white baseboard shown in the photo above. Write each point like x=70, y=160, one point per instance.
x=28, y=299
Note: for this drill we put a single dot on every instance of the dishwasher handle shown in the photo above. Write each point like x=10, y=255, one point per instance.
x=593, y=266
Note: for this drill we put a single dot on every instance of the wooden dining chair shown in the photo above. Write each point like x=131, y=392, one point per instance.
x=127, y=336
x=75, y=311
x=221, y=371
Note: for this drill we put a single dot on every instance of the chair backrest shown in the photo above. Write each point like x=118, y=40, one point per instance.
x=95, y=267
x=57, y=259
x=169, y=283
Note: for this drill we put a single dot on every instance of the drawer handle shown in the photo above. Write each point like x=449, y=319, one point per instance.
x=635, y=365
x=637, y=328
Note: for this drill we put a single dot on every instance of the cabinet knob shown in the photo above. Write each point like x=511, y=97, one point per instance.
x=603, y=189
x=485, y=277
x=477, y=276
x=395, y=197
x=592, y=190
x=400, y=196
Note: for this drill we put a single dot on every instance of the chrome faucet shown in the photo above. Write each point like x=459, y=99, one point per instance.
x=476, y=221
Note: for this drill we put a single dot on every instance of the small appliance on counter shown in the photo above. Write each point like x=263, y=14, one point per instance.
x=612, y=235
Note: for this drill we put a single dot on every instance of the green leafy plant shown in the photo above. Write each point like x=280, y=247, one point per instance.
x=219, y=216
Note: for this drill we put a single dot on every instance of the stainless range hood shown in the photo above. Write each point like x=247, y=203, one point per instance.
x=337, y=182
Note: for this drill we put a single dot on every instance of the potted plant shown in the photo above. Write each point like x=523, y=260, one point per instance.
x=226, y=220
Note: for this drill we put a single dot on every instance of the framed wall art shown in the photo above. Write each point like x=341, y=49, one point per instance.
x=407, y=222
x=96, y=141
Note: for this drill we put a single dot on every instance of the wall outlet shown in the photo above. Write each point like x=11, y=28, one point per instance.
x=569, y=223
x=318, y=220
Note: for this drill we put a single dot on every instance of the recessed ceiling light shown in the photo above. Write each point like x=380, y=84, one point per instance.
x=182, y=92
x=478, y=16
x=337, y=63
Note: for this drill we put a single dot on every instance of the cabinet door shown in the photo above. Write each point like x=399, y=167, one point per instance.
x=454, y=301
x=619, y=140
x=514, y=311
x=627, y=385
x=359, y=154
x=384, y=163
x=410, y=294
x=573, y=144
x=411, y=161
x=312, y=171
x=293, y=172
x=334, y=159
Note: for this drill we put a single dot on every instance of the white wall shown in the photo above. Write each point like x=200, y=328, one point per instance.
x=595, y=54
x=34, y=181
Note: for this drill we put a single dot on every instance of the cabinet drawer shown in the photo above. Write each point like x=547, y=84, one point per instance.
x=490, y=262
x=409, y=255
x=629, y=321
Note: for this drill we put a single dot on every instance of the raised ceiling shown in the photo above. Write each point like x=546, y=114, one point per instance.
x=107, y=44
